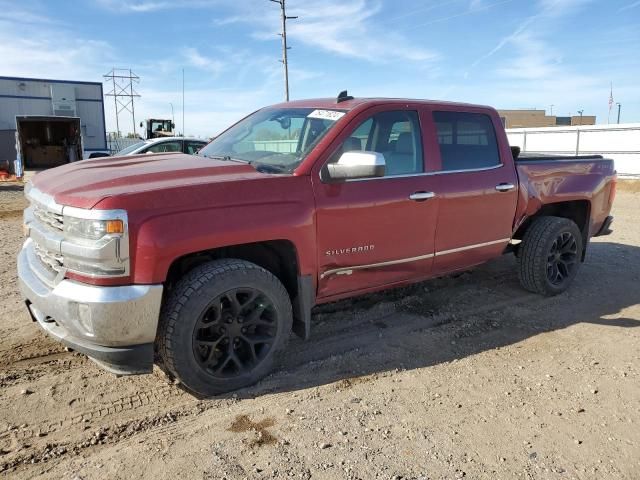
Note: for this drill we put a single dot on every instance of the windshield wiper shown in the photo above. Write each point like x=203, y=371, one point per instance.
x=225, y=158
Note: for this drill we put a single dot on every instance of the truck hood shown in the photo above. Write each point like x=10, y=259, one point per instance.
x=84, y=184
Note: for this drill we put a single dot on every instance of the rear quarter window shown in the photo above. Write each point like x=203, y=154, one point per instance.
x=467, y=141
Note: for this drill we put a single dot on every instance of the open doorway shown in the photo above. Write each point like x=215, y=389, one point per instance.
x=47, y=142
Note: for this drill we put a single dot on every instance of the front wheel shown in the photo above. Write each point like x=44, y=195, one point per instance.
x=221, y=326
x=550, y=255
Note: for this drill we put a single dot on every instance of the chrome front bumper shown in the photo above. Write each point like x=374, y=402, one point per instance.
x=115, y=326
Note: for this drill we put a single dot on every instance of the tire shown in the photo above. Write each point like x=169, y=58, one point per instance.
x=212, y=344
x=550, y=255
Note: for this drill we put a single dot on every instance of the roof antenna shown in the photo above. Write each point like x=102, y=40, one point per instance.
x=343, y=96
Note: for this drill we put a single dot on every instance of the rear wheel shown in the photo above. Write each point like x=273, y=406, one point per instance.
x=550, y=255
x=222, y=325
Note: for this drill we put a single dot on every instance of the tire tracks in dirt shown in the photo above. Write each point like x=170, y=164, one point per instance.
x=395, y=319
x=338, y=336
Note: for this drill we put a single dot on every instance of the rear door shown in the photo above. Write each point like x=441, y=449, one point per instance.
x=378, y=231
x=476, y=185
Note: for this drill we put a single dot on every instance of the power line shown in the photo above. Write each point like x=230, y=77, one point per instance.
x=283, y=34
x=123, y=93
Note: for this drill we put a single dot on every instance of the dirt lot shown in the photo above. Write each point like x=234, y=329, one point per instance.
x=467, y=377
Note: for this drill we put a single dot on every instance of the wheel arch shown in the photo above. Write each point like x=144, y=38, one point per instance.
x=579, y=211
x=280, y=257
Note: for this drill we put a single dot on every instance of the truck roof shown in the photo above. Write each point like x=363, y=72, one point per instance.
x=331, y=103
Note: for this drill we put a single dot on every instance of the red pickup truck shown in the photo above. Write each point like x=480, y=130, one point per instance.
x=205, y=264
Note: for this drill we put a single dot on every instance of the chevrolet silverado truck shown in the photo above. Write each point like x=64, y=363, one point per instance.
x=205, y=264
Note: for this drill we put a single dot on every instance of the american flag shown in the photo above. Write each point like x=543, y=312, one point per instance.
x=611, y=98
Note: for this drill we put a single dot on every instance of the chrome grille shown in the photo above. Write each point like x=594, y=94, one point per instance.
x=47, y=217
x=50, y=260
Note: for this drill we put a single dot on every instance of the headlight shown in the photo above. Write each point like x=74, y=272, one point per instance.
x=96, y=242
x=91, y=229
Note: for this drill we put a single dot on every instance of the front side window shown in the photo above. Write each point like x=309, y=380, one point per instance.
x=396, y=135
x=279, y=138
x=164, y=147
x=192, y=147
x=467, y=141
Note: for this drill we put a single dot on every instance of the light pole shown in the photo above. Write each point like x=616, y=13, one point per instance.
x=551, y=114
x=580, y=112
x=619, y=108
x=183, y=129
x=173, y=118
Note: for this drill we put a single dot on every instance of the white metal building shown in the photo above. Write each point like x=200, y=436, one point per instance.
x=49, y=110
x=619, y=142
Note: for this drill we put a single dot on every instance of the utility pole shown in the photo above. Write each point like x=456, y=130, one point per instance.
x=123, y=93
x=115, y=102
x=132, y=94
x=183, y=102
x=551, y=114
x=283, y=34
x=619, y=108
x=173, y=117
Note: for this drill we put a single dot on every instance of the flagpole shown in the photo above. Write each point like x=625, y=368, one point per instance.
x=610, y=104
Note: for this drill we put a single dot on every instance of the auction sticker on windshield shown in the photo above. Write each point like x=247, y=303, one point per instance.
x=326, y=115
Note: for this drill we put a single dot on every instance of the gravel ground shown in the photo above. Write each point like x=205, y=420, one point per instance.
x=465, y=377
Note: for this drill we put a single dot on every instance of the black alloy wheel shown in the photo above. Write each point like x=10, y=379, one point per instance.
x=235, y=332
x=550, y=255
x=221, y=326
x=562, y=258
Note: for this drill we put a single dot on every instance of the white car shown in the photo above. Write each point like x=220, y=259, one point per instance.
x=166, y=144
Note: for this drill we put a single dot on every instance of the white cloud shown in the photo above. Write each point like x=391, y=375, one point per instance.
x=535, y=54
x=343, y=27
x=630, y=6
x=535, y=59
x=479, y=7
x=144, y=6
x=48, y=53
x=196, y=59
x=530, y=68
x=9, y=13
x=44, y=48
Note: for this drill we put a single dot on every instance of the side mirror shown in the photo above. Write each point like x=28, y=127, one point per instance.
x=357, y=164
x=173, y=125
x=141, y=124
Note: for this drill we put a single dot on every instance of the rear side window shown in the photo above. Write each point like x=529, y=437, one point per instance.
x=466, y=140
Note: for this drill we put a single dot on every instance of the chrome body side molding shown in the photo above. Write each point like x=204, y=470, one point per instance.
x=350, y=270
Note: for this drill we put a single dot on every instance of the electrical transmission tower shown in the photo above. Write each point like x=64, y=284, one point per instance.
x=283, y=34
x=123, y=93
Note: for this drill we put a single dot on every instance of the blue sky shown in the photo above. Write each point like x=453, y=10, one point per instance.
x=505, y=53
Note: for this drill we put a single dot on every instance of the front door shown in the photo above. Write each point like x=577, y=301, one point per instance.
x=379, y=231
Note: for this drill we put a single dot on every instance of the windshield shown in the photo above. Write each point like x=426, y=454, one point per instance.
x=161, y=125
x=279, y=138
x=131, y=148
